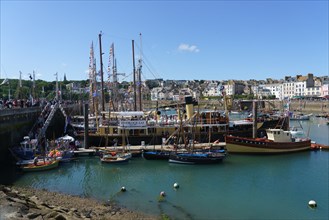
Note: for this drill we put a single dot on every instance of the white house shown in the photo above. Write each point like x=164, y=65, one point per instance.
x=275, y=89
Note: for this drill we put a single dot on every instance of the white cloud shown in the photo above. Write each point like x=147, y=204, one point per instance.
x=188, y=48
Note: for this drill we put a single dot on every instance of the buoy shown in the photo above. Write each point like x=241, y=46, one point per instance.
x=123, y=189
x=312, y=204
x=176, y=185
x=162, y=193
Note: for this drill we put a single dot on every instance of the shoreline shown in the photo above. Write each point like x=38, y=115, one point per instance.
x=30, y=203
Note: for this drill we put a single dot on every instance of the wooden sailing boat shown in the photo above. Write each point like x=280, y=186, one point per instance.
x=191, y=156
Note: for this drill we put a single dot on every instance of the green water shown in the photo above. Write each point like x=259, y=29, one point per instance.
x=242, y=187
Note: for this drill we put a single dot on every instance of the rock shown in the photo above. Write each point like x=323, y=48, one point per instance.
x=19, y=203
x=12, y=194
x=13, y=199
x=15, y=192
x=73, y=209
x=39, y=218
x=60, y=209
x=3, y=194
x=6, y=189
x=24, y=210
x=60, y=217
x=51, y=215
x=34, y=199
x=65, y=209
x=32, y=205
x=22, y=195
x=48, y=206
x=32, y=215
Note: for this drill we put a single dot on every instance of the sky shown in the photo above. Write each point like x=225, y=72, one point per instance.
x=177, y=40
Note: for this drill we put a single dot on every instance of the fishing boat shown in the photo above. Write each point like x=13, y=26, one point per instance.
x=40, y=166
x=277, y=141
x=26, y=150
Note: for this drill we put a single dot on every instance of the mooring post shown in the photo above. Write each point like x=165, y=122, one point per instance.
x=86, y=136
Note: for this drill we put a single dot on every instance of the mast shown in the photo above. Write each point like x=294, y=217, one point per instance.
x=139, y=72
x=101, y=68
x=134, y=73
x=91, y=78
x=33, y=87
x=56, y=86
x=111, y=86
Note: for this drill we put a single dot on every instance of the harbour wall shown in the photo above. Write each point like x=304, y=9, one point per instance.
x=18, y=122
x=305, y=106
x=14, y=125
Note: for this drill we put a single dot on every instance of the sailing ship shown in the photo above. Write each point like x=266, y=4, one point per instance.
x=140, y=126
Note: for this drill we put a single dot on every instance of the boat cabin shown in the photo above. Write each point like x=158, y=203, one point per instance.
x=279, y=135
x=118, y=123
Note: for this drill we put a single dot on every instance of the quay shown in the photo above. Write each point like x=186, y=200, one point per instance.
x=159, y=147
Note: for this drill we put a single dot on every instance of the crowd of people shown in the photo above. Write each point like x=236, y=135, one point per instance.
x=20, y=103
x=26, y=103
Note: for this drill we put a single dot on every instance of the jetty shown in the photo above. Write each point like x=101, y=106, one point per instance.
x=159, y=147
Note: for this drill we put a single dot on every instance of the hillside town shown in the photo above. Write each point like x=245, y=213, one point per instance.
x=291, y=87
x=308, y=86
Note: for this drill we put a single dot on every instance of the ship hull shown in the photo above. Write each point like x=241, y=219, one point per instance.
x=257, y=146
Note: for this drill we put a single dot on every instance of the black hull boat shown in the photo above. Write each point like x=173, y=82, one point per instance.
x=156, y=155
x=196, y=158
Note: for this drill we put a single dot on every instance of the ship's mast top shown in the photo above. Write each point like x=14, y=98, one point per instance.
x=91, y=77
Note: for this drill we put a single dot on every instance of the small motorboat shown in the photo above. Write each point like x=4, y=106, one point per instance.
x=114, y=157
x=40, y=166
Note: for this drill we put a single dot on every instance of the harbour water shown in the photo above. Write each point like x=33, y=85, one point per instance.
x=241, y=187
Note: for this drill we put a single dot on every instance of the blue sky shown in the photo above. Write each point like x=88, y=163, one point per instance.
x=211, y=40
